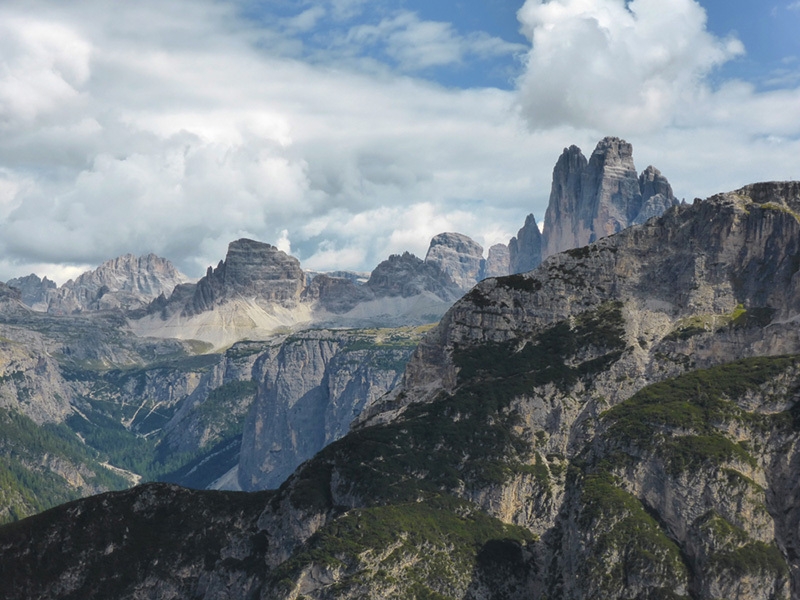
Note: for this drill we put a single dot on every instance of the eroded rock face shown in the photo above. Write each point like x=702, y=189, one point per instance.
x=252, y=270
x=34, y=290
x=127, y=282
x=311, y=387
x=458, y=256
x=30, y=380
x=405, y=275
x=599, y=197
x=703, y=259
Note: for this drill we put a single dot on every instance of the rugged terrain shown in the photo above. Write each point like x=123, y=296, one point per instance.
x=619, y=423
x=86, y=406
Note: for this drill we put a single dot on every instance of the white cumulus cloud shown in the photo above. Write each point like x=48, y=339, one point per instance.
x=615, y=65
x=43, y=68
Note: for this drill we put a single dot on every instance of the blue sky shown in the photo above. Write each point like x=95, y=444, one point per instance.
x=768, y=30
x=346, y=130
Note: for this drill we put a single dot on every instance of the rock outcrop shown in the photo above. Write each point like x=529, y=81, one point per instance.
x=405, y=275
x=599, y=197
x=590, y=200
x=498, y=261
x=251, y=270
x=35, y=292
x=311, y=387
x=525, y=250
x=457, y=256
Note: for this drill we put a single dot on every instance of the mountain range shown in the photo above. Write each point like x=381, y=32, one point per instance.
x=258, y=290
x=618, y=422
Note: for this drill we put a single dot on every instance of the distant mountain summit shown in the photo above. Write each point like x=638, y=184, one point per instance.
x=458, y=256
x=127, y=282
x=34, y=292
x=251, y=269
x=599, y=197
x=259, y=291
x=589, y=200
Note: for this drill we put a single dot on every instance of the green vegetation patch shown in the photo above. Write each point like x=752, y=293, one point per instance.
x=740, y=318
x=222, y=407
x=468, y=438
x=386, y=338
x=546, y=358
x=684, y=453
x=520, y=283
x=434, y=447
x=431, y=547
x=780, y=208
x=719, y=532
x=755, y=558
x=627, y=541
x=102, y=431
x=696, y=403
x=27, y=486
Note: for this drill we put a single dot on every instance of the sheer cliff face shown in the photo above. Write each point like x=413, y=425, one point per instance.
x=525, y=250
x=599, y=197
x=310, y=388
x=251, y=270
x=457, y=256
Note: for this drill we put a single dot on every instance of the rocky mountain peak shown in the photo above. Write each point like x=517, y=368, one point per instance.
x=525, y=250
x=11, y=293
x=34, y=291
x=599, y=197
x=459, y=256
x=251, y=270
x=498, y=261
x=127, y=282
x=652, y=183
x=406, y=275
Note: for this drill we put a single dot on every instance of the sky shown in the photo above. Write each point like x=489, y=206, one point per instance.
x=343, y=131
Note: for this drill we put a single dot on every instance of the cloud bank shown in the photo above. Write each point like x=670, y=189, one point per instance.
x=175, y=127
x=609, y=64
